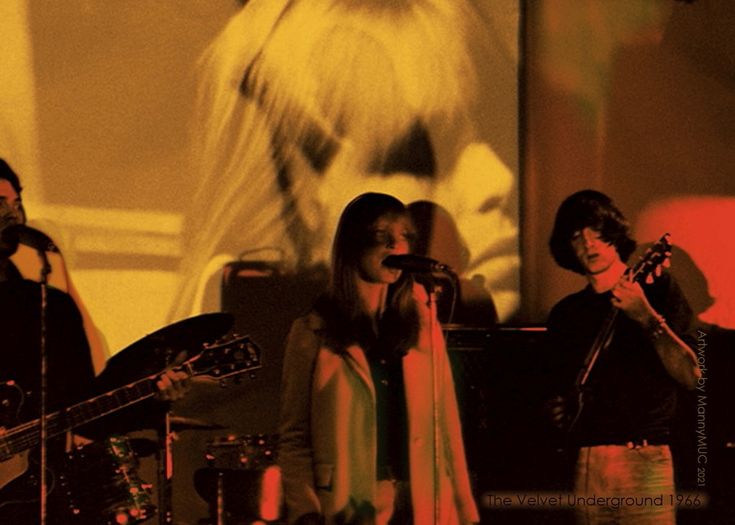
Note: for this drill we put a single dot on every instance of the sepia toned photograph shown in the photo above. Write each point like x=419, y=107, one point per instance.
x=426, y=262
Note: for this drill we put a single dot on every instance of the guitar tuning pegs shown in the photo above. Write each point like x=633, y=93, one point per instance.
x=659, y=270
x=667, y=263
x=649, y=279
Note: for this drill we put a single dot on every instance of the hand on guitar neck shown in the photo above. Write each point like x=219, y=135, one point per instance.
x=628, y=297
x=173, y=384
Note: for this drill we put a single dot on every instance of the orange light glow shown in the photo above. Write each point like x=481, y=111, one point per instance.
x=271, y=494
x=700, y=226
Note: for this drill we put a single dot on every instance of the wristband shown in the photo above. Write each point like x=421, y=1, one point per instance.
x=658, y=327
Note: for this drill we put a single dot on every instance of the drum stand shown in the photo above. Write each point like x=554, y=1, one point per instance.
x=219, y=510
x=165, y=471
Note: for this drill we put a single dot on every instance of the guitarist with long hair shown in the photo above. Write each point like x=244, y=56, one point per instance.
x=622, y=413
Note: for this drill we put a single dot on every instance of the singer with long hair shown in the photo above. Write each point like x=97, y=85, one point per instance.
x=357, y=440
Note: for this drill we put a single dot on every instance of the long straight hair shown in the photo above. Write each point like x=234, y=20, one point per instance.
x=347, y=322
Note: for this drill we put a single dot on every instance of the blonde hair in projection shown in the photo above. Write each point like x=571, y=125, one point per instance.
x=360, y=72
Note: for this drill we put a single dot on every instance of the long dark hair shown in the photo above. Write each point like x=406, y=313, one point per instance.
x=346, y=321
x=589, y=209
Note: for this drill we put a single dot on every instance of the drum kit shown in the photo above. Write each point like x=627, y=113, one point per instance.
x=240, y=483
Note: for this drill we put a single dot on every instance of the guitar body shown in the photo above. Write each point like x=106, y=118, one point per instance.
x=11, y=469
x=11, y=400
x=19, y=497
x=19, y=479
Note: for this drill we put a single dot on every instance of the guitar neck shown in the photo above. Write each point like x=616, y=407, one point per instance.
x=27, y=435
x=218, y=362
x=602, y=341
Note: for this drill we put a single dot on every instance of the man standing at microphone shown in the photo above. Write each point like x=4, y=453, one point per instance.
x=27, y=242
x=364, y=436
x=69, y=375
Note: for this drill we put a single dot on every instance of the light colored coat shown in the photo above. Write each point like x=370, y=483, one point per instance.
x=327, y=449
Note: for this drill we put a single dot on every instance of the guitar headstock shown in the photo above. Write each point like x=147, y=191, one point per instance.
x=225, y=359
x=653, y=260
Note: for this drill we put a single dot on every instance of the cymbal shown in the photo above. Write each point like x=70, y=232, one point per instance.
x=179, y=423
x=154, y=352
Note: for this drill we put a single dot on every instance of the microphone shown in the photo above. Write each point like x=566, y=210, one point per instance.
x=416, y=263
x=30, y=237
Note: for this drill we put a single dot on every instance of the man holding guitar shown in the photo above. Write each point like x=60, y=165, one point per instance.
x=628, y=367
x=70, y=373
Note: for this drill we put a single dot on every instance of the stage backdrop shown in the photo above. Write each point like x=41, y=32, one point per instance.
x=98, y=106
x=99, y=115
x=636, y=99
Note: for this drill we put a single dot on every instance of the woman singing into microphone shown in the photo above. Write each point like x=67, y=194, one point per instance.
x=357, y=439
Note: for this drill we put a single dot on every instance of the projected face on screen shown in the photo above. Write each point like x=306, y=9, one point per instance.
x=309, y=105
x=149, y=191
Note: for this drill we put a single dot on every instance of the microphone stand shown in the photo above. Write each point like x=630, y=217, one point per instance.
x=43, y=425
x=436, y=438
x=424, y=264
x=165, y=460
x=165, y=471
x=437, y=373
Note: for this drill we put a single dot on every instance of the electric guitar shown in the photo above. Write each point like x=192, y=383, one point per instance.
x=219, y=361
x=646, y=269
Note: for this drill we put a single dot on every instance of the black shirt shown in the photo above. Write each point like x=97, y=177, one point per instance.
x=69, y=375
x=630, y=395
x=392, y=420
x=70, y=371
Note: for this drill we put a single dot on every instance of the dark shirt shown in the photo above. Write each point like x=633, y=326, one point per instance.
x=390, y=409
x=70, y=372
x=69, y=376
x=629, y=393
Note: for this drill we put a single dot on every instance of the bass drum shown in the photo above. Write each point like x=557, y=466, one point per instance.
x=101, y=486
